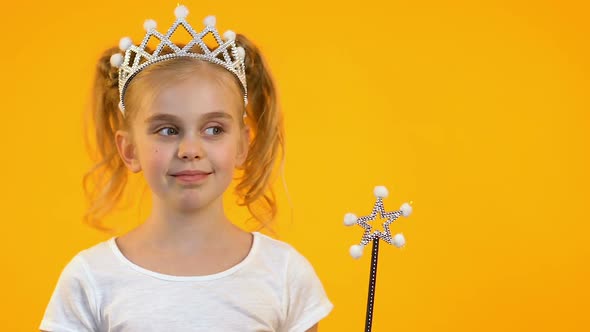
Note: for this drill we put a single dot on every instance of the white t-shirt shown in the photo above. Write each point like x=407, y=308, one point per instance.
x=273, y=289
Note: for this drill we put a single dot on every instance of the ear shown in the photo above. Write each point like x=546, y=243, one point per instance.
x=127, y=150
x=243, y=146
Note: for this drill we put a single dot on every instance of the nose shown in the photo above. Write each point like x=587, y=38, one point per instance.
x=190, y=148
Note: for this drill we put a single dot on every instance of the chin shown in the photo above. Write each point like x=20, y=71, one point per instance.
x=194, y=202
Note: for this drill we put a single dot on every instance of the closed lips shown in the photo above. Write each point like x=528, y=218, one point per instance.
x=189, y=173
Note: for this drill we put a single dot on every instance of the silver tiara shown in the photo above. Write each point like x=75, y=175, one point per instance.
x=225, y=53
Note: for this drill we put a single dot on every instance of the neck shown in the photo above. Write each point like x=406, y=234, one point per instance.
x=170, y=229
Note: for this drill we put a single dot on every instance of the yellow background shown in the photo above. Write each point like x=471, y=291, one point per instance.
x=477, y=111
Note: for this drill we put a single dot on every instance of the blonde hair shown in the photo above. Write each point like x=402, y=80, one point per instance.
x=105, y=182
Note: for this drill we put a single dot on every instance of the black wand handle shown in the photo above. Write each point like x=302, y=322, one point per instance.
x=372, y=284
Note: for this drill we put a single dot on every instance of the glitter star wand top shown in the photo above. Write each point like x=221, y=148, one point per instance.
x=356, y=250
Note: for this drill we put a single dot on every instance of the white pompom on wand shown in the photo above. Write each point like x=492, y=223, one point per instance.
x=399, y=240
x=350, y=219
x=356, y=251
x=406, y=209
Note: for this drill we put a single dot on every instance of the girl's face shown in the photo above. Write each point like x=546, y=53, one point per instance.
x=192, y=126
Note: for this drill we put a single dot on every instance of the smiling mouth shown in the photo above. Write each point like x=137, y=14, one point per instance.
x=191, y=178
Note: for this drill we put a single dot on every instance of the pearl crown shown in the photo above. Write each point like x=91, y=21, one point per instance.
x=226, y=53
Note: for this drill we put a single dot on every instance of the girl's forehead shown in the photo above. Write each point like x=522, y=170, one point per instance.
x=195, y=96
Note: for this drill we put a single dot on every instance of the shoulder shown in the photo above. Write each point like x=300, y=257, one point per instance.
x=294, y=265
x=79, y=264
x=74, y=303
x=89, y=263
x=274, y=249
x=268, y=242
x=97, y=251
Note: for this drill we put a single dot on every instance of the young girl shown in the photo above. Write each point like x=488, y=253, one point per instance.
x=186, y=117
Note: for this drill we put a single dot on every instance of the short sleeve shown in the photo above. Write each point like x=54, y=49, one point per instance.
x=306, y=297
x=72, y=307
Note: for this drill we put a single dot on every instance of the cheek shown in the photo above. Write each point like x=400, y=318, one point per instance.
x=224, y=155
x=154, y=156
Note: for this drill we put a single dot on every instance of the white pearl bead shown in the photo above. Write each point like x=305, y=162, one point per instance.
x=181, y=11
x=210, y=21
x=229, y=35
x=381, y=191
x=149, y=24
x=241, y=52
x=116, y=60
x=125, y=43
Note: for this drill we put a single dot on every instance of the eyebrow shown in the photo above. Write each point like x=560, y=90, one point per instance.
x=170, y=117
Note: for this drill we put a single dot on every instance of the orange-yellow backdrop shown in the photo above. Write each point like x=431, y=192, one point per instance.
x=477, y=111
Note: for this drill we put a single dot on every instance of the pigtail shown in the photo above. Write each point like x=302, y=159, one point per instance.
x=104, y=183
x=266, y=122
